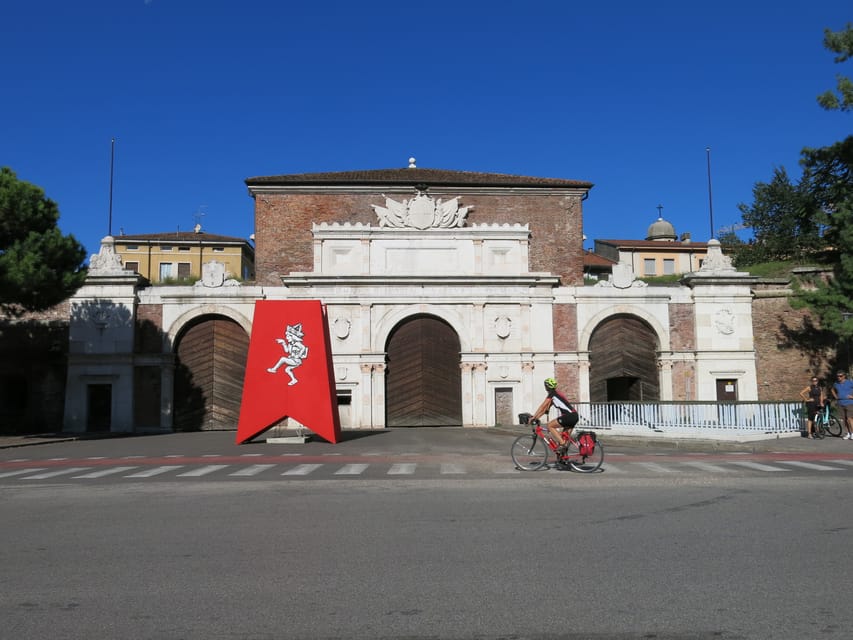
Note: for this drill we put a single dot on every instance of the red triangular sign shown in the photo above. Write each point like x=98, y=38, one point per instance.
x=289, y=371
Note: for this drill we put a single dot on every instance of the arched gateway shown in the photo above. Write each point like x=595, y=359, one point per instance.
x=210, y=366
x=623, y=361
x=423, y=380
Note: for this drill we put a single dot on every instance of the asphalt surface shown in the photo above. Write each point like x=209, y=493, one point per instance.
x=452, y=438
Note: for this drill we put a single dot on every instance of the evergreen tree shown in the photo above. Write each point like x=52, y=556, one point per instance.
x=39, y=267
x=829, y=172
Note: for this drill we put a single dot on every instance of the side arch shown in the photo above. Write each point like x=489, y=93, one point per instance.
x=623, y=361
x=210, y=366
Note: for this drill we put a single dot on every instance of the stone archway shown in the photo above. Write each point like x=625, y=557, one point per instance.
x=423, y=382
x=210, y=365
x=623, y=355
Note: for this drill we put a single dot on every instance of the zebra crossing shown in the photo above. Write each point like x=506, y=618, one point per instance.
x=376, y=465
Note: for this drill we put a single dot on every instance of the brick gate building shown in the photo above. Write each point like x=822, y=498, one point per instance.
x=450, y=296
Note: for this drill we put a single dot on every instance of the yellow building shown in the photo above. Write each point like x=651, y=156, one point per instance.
x=178, y=256
x=660, y=254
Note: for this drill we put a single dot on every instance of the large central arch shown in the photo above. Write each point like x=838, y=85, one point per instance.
x=423, y=382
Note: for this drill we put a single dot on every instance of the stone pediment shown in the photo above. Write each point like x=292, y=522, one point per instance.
x=421, y=212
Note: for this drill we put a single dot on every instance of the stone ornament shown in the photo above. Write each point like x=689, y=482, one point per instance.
x=715, y=261
x=421, y=212
x=213, y=275
x=341, y=327
x=724, y=321
x=503, y=327
x=106, y=260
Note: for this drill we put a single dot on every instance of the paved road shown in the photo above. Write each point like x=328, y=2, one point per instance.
x=448, y=558
x=404, y=454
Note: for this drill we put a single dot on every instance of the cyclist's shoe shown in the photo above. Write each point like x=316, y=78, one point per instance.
x=561, y=451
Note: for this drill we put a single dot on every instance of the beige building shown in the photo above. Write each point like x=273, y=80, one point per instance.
x=179, y=255
x=662, y=253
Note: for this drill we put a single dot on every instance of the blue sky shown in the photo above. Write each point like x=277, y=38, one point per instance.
x=201, y=95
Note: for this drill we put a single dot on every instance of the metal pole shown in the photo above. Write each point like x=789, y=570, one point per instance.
x=112, y=158
x=710, y=199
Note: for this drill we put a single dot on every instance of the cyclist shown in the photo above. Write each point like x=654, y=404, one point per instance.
x=814, y=397
x=567, y=416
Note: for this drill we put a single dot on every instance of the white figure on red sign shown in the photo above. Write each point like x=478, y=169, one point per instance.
x=294, y=349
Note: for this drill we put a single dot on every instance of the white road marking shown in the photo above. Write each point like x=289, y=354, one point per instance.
x=156, y=471
x=351, y=470
x=54, y=473
x=402, y=469
x=302, y=470
x=252, y=470
x=203, y=471
x=105, y=472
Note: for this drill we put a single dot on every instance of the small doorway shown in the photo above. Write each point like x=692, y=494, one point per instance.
x=727, y=390
x=99, y=402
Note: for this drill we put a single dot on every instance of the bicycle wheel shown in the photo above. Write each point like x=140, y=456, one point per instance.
x=833, y=427
x=529, y=453
x=585, y=464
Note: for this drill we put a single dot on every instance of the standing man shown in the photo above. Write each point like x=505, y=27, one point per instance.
x=843, y=392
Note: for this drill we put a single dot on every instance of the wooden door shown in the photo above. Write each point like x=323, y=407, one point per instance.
x=211, y=364
x=623, y=361
x=423, y=383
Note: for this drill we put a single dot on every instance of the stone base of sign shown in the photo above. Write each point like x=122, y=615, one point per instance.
x=288, y=440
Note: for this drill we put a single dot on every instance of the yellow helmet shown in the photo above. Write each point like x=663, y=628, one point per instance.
x=550, y=383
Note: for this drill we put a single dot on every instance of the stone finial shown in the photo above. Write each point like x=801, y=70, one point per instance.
x=106, y=261
x=715, y=261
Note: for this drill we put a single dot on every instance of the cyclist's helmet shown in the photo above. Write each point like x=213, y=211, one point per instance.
x=550, y=383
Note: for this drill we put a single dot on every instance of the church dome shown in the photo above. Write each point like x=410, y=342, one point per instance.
x=660, y=229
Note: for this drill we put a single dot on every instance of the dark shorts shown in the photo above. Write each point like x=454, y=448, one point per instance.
x=811, y=410
x=568, y=420
x=845, y=411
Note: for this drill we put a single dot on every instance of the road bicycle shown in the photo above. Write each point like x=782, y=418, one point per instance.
x=825, y=423
x=531, y=452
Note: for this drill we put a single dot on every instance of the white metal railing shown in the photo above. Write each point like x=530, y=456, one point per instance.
x=697, y=419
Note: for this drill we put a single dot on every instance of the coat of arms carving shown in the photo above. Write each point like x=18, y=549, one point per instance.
x=421, y=212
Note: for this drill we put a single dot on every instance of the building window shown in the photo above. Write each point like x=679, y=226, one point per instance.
x=183, y=248
x=131, y=266
x=219, y=249
x=649, y=266
x=183, y=270
x=668, y=266
x=165, y=247
x=132, y=247
x=165, y=270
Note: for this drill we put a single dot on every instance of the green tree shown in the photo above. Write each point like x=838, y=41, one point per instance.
x=39, y=267
x=829, y=171
x=785, y=219
x=841, y=43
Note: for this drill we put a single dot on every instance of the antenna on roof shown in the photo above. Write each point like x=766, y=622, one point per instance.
x=197, y=216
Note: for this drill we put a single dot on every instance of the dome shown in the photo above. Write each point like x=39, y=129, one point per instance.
x=660, y=229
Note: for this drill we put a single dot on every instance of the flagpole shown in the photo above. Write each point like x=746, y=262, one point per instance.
x=710, y=200
x=112, y=159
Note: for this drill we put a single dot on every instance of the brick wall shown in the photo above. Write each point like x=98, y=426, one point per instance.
x=789, y=348
x=284, y=244
x=33, y=365
x=148, y=337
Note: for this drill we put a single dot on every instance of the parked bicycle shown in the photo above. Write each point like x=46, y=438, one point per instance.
x=531, y=452
x=825, y=423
